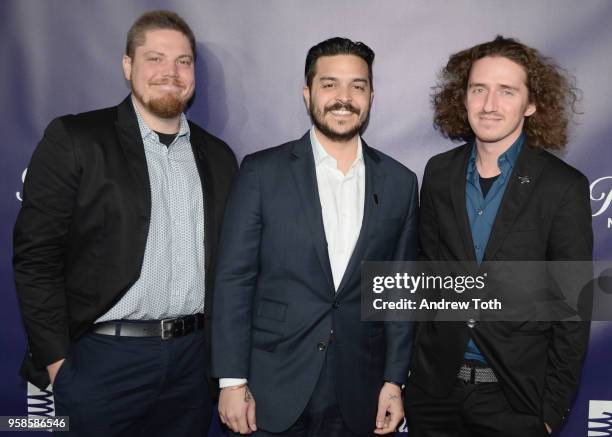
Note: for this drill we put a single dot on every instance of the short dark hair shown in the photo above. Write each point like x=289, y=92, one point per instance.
x=337, y=46
x=157, y=20
x=551, y=89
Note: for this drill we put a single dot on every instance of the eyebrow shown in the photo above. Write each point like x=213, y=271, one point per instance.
x=335, y=79
x=155, y=52
x=503, y=86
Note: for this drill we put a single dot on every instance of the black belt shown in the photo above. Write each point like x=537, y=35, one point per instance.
x=166, y=328
x=476, y=374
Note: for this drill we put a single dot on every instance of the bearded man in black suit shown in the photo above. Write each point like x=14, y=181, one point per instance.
x=113, y=248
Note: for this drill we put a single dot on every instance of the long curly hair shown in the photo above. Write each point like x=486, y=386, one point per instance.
x=550, y=87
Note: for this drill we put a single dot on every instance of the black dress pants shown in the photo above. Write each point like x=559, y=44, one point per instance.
x=470, y=410
x=135, y=386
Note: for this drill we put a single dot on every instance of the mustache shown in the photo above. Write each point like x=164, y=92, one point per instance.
x=339, y=105
x=175, y=82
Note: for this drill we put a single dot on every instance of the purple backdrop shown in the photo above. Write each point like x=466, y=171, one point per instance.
x=63, y=56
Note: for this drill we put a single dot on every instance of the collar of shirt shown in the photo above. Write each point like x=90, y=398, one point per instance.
x=321, y=157
x=505, y=162
x=146, y=131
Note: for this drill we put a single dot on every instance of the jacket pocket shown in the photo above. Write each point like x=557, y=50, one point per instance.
x=271, y=309
x=265, y=340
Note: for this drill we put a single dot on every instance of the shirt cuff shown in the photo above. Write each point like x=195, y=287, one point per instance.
x=231, y=382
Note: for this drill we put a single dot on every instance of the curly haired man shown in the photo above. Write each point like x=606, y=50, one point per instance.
x=500, y=196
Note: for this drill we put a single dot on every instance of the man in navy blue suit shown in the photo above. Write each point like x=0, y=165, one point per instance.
x=289, y=346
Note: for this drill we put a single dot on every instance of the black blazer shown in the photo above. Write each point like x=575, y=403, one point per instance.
x=275, y=303
x=80, y=236
x=549, y=218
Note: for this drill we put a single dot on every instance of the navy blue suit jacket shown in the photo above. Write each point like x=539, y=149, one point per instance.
x=275, y=303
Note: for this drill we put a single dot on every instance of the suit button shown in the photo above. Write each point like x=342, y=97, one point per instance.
x=336, y=305
x=471, y=323
x=321, y=346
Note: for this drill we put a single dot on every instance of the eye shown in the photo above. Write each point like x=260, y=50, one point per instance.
x=327, y=85
x=478, y=90
x=154, y=59
x=359, y=87
x=508, y=92
x=184, y=61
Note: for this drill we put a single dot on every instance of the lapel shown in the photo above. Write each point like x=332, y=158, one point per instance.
x=373, y=200
x=131, y=143
x=528, y=166
x=303, y=169
x=456, y=185
x=206, y=181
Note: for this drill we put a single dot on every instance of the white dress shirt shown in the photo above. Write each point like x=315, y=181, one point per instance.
x=342, y=200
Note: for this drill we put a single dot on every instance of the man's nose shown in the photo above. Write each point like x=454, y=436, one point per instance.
x=344, y=94
x=490, y=104
x=170, y=69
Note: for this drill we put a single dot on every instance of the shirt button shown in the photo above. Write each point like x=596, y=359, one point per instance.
x=321, y=346
x=336, y=305
x=480, y=212
x=471, y=323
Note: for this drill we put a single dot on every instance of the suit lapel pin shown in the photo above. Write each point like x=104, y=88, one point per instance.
x=524, y=179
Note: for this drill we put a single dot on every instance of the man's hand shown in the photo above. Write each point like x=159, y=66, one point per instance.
x=390, y=409
x=237, y=409
x=53, y=368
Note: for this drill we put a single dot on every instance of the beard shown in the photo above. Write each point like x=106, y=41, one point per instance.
x=318, y=119
x=167, y=106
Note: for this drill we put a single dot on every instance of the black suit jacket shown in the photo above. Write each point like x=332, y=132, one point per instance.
x=547, y=219
x=275, y=303
x=80, y=236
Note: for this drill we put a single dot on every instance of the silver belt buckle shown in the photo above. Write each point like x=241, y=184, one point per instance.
x=167, y=326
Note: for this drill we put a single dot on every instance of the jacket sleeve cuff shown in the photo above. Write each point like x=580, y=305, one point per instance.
x=42, y=357
x=552, y=417
x=231, y=382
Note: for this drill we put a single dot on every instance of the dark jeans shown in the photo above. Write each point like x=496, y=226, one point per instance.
x=470, y=410
x=134, y=386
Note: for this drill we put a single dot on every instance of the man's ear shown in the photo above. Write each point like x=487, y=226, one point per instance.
x=307, y=96
x=530, y=110
x=126, y=63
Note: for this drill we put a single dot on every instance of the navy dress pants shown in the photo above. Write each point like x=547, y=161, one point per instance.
x=135, y=386
x=322, y=416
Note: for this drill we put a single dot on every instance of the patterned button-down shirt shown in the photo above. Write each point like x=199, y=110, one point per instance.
x=171, y=282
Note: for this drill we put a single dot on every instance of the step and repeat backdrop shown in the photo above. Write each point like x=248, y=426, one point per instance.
x=64, y=56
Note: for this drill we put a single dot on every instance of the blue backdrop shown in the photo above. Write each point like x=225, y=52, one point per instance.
x=64, y=56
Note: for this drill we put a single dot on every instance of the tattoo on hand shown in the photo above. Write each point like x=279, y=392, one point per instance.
x=247, y=395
